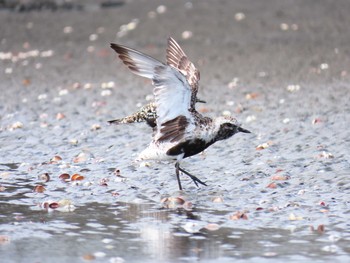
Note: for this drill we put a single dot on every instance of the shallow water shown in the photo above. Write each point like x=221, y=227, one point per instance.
x=125, y=231
x=278, y=194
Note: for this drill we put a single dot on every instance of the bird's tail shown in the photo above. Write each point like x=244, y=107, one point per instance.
x=119, y=121
x=129, y=119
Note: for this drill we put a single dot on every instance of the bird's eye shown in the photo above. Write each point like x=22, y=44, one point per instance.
x=227, y=126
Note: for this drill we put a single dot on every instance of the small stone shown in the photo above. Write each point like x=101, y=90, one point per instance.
x=44, y=177
x=42, y=97
x=272, y=185
x=217, y=199
x=8, y=70
x=239, y=16
x=284, y=26
x=16, y=125
x=320, y=229
x=192, y=227
x=250, y=118
x=67, y=29
x=251, y=96
x=263, y=146
x=107, y=240
x=73, y=141
x=106, y=92
x=60, y=116
x=93, y=37
x=212, y=227
x=238, y=215
x=186, y=34
x=280, y=177
x=77, y=177
x=63, y=92
x=99, y=254
x=316, y=120
x=89, y=257
x=161, y=9
x=293, y=88
x=234, y=83
x=324, y=66
x=47, y=53
x=39, y=189
x=172, y=202
x=64, y=177
x=326, y=155
x=226, y=113
x=95, y=127
x=293, y=217
x=26, y=82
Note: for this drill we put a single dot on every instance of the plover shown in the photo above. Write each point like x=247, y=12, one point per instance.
x=180, y=130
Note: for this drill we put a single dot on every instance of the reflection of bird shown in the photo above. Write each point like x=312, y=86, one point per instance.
x=180, y=130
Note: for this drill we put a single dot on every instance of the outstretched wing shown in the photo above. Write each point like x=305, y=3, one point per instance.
x=171, y=90
x=177, y=59
x=139, y=63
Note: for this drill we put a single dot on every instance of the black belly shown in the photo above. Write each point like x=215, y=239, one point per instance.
x=190, y=148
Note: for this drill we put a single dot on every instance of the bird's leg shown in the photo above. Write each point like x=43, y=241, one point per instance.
x=177, y=167
x=194, y=178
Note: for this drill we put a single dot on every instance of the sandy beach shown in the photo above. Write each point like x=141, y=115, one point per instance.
x=281, y=67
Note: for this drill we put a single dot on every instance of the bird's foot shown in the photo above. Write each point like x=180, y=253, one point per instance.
x=194, y=178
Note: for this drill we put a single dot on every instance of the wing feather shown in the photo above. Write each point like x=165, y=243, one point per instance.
x=177, y=59
x=139, y=63
x=171, y=90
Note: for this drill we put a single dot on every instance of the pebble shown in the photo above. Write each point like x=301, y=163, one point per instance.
x=250, y=118
x=93, y=37
x=105, y=93
x=16, y=125
x=186, y=34
x=161, y=9
x=324, y=66
x=192, y=227
x=284, y=26
x=67, y=29
x=107, y=240
x=63, y=92
x=293, y=88
x=239, y=16
x=99, y=254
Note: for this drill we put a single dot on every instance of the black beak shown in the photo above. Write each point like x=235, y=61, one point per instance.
x=243, y=130
x=201, y=101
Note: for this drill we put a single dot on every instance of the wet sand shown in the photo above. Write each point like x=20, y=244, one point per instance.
x=280, y=194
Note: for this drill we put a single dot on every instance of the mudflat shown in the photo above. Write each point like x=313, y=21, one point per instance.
x=279, y=194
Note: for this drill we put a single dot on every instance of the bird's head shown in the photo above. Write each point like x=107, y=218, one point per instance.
x=227, y=126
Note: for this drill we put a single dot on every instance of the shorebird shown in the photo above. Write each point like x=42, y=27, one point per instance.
x=180, y=130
